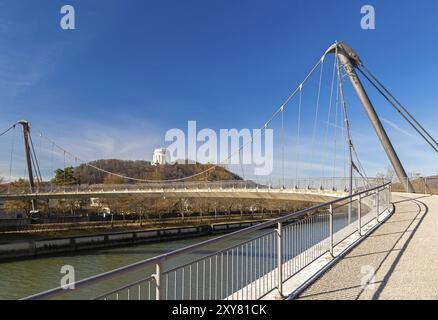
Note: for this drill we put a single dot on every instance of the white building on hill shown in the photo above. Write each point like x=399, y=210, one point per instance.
x=160, y=157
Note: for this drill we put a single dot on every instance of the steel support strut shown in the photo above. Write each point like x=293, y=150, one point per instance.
x=350, y=60
x=26, y=132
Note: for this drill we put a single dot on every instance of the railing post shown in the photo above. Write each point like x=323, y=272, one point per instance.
x=390, y=194
x=359, y=215
x=331, y=230
x=377, y=204
x=158, y=280
x=280, y=258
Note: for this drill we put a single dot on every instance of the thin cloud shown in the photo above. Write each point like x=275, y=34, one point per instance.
x=129, y=140
x=396, y=127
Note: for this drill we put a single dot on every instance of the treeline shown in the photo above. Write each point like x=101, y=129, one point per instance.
x=159, y=208
x=156, y=208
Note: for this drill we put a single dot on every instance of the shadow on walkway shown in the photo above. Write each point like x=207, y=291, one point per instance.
x=355, y=292
x=403, y=249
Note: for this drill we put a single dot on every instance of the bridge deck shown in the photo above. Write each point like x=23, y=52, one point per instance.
x=403, y=252
x=311, y=195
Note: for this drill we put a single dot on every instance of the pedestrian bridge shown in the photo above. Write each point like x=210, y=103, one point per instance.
x=252, y=263
x=378, y=254
x=397, y=261
x=308, y=190
x=277, y=258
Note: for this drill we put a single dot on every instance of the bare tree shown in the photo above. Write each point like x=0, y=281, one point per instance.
x=183, y=207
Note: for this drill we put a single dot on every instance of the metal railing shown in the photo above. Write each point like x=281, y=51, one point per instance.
x=140, y=290
x=246, y=264
x=423, y=185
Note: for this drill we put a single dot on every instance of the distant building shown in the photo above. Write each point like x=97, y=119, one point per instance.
x=160, y=157
x=96, y=203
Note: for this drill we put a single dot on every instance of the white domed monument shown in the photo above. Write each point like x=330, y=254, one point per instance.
x=160, y=157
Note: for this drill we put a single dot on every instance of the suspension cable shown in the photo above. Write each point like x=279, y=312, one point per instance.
x=347, y=128
x=335, y=130
x=432, y=143
x=64, y=169
x=329, y=114
x=344, y=143
x=32, y=161
x=298, y=134
x=35, y=160
x=213, y=167
x=315, y=122
x=282, y=144
x=241, y=163
x=9, y=129
x=51, y=158
x=343, y=114
x=360, y=170
x=399, y=103
x=359, y=167
x=12, y=156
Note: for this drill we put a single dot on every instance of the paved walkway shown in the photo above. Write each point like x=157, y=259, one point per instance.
x=403, y=252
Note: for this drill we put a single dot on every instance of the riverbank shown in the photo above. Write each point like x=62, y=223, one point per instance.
x=45, y=246
x=15, y=229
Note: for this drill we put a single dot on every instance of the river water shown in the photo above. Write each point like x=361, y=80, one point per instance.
x=22, y=278
x=19, y=279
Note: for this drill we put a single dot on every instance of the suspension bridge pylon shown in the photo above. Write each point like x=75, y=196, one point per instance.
x=350, y=61
x=26, y=137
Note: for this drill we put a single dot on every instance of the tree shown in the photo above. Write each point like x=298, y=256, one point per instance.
x=163, y=206
x=19, y=206
x=65, y=177
x=390, y=173
x=141, y=205
x=119, y=205
x=70, y=206
x=110, y=179
x=183, y=206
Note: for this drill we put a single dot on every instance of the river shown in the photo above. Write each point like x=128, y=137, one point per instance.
x=19, y=279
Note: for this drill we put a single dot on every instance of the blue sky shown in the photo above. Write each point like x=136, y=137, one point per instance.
x=134, y=69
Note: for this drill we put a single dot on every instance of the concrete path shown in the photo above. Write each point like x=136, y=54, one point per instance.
x=398, y=261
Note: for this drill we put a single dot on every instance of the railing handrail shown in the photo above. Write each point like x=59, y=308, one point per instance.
x=166, y=256
x=99, y=193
